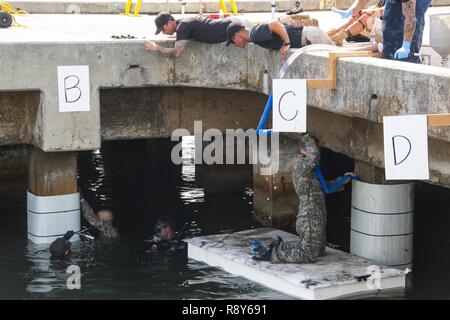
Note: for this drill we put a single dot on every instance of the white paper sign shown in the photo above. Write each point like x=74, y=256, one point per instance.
x=73, y=88
x=406, y=147
x=289, y=105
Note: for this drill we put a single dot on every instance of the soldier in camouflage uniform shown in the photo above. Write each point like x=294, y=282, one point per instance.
x=102, y=221
x=312, y=214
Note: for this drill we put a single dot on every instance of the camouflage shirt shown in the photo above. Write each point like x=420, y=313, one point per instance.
x=107, y=230
x=311, y=218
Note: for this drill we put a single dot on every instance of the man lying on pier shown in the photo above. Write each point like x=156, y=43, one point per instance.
x=203, y=29
x=311, y=219
x=276, y=36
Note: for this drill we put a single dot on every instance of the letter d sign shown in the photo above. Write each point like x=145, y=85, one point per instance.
x=73, y=88
x=406, y=147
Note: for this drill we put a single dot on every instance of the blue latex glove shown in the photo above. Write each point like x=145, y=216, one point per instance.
x=404, y=51
x=344, y=13
x=255, y=246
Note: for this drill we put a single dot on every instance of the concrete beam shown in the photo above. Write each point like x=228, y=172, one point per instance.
x=368, y=88
x=153, y=112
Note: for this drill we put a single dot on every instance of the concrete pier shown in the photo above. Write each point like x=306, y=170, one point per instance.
x=345, y=123
x=139, y=95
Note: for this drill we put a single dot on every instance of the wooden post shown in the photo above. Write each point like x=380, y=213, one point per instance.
x=52, y=173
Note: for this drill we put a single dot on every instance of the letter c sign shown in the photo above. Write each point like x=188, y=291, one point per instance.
x=289, y=105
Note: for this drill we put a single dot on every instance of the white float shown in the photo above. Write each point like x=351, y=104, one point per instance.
x=52, y=216
x=382, y=223
x=334, y=275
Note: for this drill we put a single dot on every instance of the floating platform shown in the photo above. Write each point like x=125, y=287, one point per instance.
x=336, y=274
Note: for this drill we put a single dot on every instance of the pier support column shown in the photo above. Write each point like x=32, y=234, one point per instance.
x=274, y=198
x=53, y=201
x=382, y=218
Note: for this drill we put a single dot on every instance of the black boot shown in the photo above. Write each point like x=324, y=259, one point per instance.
x=295, y=10
x=266, y=253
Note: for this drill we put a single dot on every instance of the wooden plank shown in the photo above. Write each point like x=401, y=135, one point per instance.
x=52, y=173
x=439, y=120
x=332, y=62
x=331, y=81
x=319, y=84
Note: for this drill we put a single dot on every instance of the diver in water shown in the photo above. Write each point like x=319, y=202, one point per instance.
x=61, y=247
x=165, y=238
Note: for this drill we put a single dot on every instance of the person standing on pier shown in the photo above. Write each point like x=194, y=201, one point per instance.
x=403, y=23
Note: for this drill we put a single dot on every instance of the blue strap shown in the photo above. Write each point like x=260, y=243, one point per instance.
x=264, y=117
x=340, y=181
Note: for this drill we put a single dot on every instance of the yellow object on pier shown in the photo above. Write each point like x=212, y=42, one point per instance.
x=224, y=8
x=136, y=9
x=7, y=8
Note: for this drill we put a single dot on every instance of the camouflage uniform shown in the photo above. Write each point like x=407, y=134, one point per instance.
x=107, y=230
x=311, y=218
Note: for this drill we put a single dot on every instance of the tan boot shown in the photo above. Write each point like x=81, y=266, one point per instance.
x=332, y=32
x=299, y=16
x=339, y=38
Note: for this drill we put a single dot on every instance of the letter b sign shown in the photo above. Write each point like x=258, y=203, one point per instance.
x=73, y=88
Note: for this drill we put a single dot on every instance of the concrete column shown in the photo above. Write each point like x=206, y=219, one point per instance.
x=382, y=217
x=274, y=198
x=221, y=178
x=53, y=201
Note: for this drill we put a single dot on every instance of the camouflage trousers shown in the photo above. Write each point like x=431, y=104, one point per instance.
x=311, y=229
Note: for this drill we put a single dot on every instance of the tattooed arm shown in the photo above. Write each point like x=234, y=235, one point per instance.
x=89, y=214
x=168, y=52
x=409, y=11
